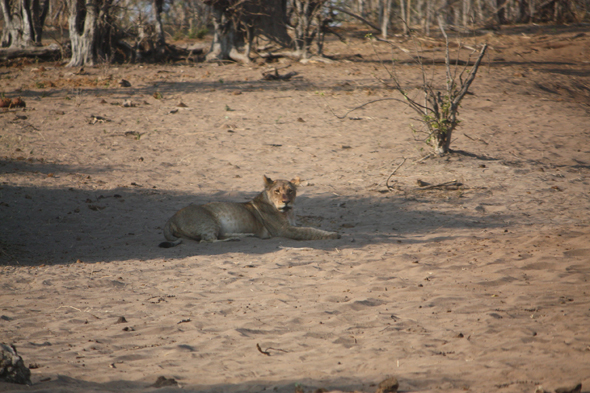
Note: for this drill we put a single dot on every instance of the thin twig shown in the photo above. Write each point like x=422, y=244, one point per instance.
x=424, y=158
x=261, y=351
x=365, y=104
x=393, y=173
x=445, y=184
x=392, y=44
x=345, y=11
x=277, y=349
x=471, y=77
x=476, y=139
x=447, y=62
x=77, y=309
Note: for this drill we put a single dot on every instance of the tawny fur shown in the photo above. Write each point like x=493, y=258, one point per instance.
x=269, y=214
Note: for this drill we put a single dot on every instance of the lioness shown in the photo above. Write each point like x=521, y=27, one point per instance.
x=269, y=214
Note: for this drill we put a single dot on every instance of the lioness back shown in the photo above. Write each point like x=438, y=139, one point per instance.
x=268, y=214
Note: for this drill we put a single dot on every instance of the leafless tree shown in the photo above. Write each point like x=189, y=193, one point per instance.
x=309, y=23
x=236, y=22
x=439, y=110
x=23, y=22
x=90, y=24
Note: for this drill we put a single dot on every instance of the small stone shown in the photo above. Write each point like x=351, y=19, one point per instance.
x=121, y=320
x=389, y=385
x=163, y=381
x=133, y=134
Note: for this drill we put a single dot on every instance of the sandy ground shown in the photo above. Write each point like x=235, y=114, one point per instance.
x=482, y=287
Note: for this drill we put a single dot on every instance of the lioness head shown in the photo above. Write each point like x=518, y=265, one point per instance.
x=281, y=193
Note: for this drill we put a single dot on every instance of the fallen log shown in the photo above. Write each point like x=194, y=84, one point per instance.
x=51, y=52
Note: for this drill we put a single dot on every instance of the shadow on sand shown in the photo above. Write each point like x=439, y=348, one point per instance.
x=43, y=225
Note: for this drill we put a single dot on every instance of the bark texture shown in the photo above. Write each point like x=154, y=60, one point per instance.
x=90, y=31
x=23, y=22
x=309, y=24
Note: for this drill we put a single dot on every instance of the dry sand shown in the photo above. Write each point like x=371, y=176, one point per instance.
x=480, y=288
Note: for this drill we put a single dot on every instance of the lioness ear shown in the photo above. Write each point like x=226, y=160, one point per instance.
x=267, y=181
x=296, y=180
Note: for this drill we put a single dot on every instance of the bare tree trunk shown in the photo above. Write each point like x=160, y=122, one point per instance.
x=403, y=15
x=428, y=17
x=501, y=13
x=27, y=22
x=90, y=32
x=12, y=32
x=386, y=13
x=39, y=14
x=227, y=43
x=456, y=15
x=305, y=12
x=466, y=11
x=320, y=34
x=420, y=13
x=83, y=25
x=157, y=11
x=23, y=22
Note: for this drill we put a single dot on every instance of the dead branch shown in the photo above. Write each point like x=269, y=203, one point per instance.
x=470, y=77
x=270, y=76
x=476, y=139
x=261, y=351
x=416, y=59
x=393, y=173
x=51, y=52
x=344, y=11
x=450, y=81
x=365, y=104
x=453, y=184
x=392, y=44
